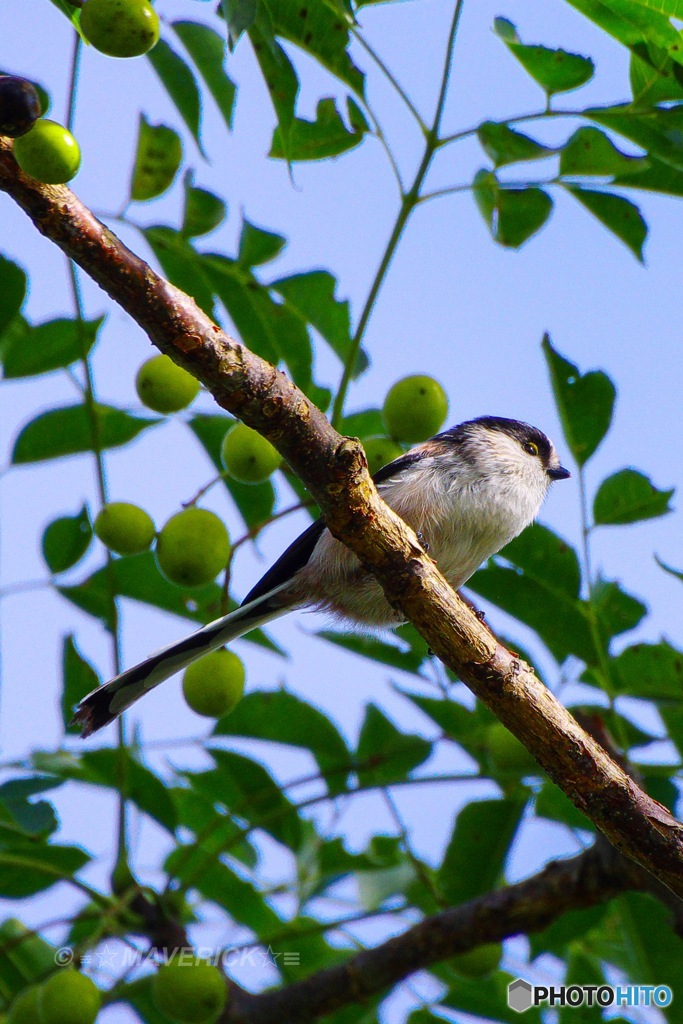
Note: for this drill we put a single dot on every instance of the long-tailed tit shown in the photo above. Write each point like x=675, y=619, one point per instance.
x=466, y=493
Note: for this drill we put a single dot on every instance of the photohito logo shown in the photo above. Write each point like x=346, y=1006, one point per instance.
x=522, y=996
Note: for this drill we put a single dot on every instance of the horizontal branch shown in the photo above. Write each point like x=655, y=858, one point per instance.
x=589, y=879
x=334, y=469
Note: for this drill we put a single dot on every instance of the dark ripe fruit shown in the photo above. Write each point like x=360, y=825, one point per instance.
x=48, y=153
x=19, y=106
x=120, y=28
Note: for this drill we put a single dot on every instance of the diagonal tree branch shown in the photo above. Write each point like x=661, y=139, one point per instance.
x=334, y=470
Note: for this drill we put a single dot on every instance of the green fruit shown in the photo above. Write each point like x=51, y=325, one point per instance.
x=189, y=990
x=479, y=962
x=68, y=997
x=214, y=684
x=247, y=456
x=120, y=28
x=415, y=408
x=193, y=547
x=48, y=153
x=507, y=754
x=124, y=528
x=24, y=1009
x=164, y=386
x=380, y=451
x=20, y=106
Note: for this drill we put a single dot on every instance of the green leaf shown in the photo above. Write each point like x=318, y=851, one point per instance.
x=554, y=70
x=224, y=887
x=570, y=926
x=207, y=50
x=12, y=294
x=619, y=215
x=585, y=403
x=326, y=136
x=629, y=497
x=66, y=540
x=19, y=814
x=181, y=264
x=271, y=330
x=68, y=431
x=633, y=25
x=79, y=679
x=512, y=215
x=255, y=502
x=457, y=722
x=487, y=999
x=239, y=16
x=281, y=717
x=26, y=959
x=116, y=769
x=659, y=177
x=589, y=151
x=158, y=156
x=312, y=296
x=559, y=620
x=29, y=868
x=405, y=659
x=653, y=671
x=477, y=850
x=385, y=754
x=320, y=30
x=506, y=146
x=545, y=557
x=180, y=84
x=551, y=803
x=203, y=211
x=250, y=793
x=656, y=78
x=280, y=78
x=617, y=611
x=34, y=349
x=367, y=423
x=640, y=940
x=258, y=246
x=658, y=130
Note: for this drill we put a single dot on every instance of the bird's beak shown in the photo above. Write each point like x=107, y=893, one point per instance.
x=558, y=473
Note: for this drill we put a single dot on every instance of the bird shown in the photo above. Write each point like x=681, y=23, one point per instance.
x=466, y=493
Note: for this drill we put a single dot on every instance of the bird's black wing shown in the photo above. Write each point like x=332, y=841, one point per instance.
x=299, y=551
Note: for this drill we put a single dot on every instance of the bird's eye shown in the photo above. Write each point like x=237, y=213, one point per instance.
x=530, y=448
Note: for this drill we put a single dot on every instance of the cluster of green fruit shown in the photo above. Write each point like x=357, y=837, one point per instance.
x=67, y=997
x=414, y=409
x=189, y=990
x=45, y=149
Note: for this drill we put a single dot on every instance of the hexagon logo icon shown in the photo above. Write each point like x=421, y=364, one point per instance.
x=519, y=995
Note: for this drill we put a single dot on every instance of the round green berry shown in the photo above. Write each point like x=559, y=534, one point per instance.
x=478, y=962
x=214, y=684
x=68, y=997
x=24, y=1009
x=380, y=451
x=48, y=153
x=120, y=28
x=124, y=528
x=189, y=990
x=20, y=106
x=193, y=547
x=415, y=408
x=247, y=456
x=163, y=386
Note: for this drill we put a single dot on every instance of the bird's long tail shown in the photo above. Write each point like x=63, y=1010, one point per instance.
x=107, y=702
